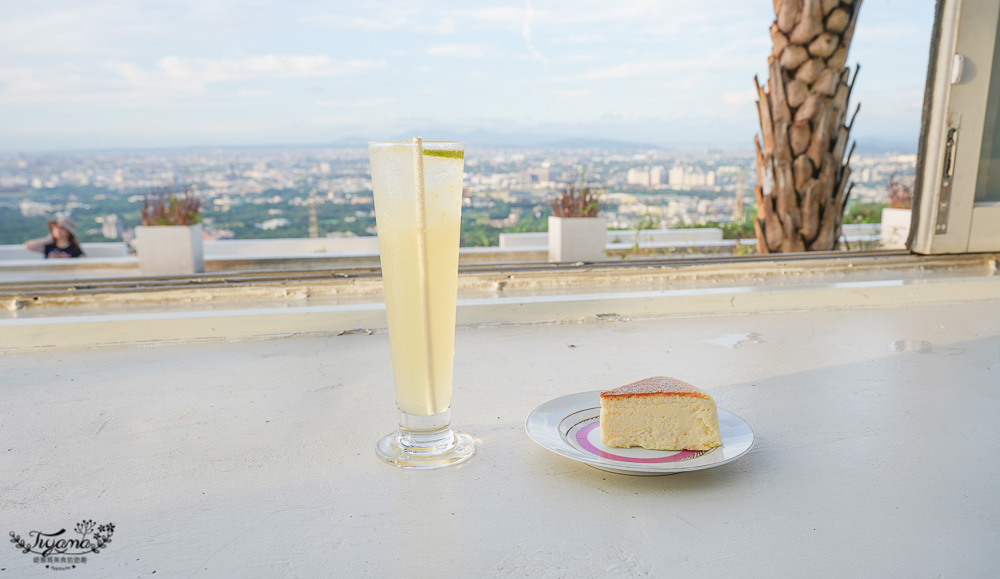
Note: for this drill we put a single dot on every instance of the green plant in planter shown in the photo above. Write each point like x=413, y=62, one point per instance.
x=574, y=200
x=577, y=232
x=900, y=192
x=861, y=212
x=165, y=207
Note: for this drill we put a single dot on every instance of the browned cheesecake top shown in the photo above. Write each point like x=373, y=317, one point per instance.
x=657, y=385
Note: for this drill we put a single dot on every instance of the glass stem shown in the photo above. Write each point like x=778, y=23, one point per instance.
x=426, y=433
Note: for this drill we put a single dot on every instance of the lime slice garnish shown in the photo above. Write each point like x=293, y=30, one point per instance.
x=444, y=153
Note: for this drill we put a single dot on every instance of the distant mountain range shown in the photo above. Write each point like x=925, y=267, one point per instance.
x=878, y=146
x=487, y=138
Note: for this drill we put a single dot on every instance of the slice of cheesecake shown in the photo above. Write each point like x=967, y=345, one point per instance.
x=659, y=413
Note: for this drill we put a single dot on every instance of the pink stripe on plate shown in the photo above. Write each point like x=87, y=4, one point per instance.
x=582, y=436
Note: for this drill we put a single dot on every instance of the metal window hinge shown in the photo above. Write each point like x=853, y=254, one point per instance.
x=944, y=197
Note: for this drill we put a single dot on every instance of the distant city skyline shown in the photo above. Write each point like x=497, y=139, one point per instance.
x=119, y=75
x=252, y=193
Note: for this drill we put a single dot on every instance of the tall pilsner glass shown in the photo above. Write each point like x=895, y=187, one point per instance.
x=418, y=210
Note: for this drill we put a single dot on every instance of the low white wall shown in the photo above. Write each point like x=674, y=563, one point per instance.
x=860, y=229
x=665, y=237
x=300, y=246
x=519, y=240
x=368, y=245
x=690, y=235
x=103, y=249
x=693, y=235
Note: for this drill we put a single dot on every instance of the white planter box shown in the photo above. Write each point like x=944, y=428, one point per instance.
x=895, y=228
x=169, y=249
x=577, y=238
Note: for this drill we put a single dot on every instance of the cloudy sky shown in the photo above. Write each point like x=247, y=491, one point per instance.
x=122, y=74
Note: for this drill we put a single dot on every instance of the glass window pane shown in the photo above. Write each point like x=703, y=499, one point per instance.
x=990, y=163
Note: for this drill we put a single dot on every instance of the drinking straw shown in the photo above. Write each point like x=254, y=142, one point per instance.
x=418, y=179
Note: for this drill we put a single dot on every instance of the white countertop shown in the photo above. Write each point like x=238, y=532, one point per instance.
x=876, y=453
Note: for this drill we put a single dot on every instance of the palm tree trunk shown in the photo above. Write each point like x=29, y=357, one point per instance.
x=801, y=166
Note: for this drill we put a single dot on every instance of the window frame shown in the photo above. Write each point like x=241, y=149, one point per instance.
x=946, y=36
x=946, y=216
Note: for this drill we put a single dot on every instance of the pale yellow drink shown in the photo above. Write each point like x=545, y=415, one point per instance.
x=420, y=306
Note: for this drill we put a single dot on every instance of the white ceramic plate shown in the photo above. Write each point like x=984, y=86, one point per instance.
x=570, y=426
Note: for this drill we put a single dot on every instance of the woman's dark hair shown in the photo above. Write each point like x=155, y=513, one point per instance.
x=69, y=232
x=74, y=243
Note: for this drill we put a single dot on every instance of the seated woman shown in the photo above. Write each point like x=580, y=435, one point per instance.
x=61, y=242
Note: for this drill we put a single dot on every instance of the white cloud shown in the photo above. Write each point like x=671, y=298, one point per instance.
x=620, y=71
x=723, y=61
x=250, y=92
x=459, y=50
x=386, y=19
x=739, y=98
x=335, y=120
x=372, y=102
x=26, y=82
x=573, y=93
x=193, y=74
x=60, y=60
x=526, y=33
x=505, y=14
x=57, y=31
x=363, y=23
x=569, y=14
x=581, y=39
x=447, y=25
x=170, y=77
x=579, y=57
x=508, y=17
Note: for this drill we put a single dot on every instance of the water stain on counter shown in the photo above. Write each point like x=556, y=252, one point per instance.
x=922, y=347
x=733, y=341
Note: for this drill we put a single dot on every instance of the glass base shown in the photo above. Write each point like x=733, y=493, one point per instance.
x=424, y=449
